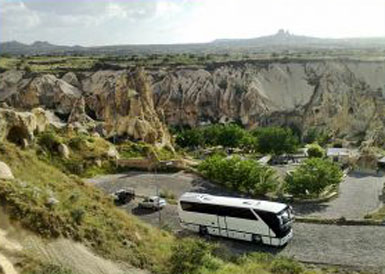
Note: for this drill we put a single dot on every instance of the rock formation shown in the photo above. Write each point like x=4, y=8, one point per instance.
x=346, y=98
x=112, y=102
x=20, y=127
x=5, y=172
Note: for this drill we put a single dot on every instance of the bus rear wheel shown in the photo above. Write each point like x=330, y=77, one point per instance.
x=256, y=239
x=203, y=230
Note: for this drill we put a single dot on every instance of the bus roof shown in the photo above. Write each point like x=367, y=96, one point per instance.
x=273, y=207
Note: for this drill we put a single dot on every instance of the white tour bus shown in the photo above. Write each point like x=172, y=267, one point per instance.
x=245, y=219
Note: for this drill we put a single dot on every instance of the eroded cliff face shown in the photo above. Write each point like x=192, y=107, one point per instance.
x=343, y=97
x=112, y=102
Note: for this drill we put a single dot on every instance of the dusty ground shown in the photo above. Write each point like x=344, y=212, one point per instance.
x=352, y=246
x=358, y=195
x=15, y=242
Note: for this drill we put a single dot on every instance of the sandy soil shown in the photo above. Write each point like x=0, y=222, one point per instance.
x=69, y=254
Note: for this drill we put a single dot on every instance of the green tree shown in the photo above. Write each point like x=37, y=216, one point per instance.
x=190, y=138
x=315, y=151
x=245, y=176
x=276, y=140
x=312, y=177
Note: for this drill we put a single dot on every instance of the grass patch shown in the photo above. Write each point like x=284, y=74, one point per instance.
x=82, y=213
x=85, y=214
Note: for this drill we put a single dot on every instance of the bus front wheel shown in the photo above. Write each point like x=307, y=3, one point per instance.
x=203, y=230
x=257, y=239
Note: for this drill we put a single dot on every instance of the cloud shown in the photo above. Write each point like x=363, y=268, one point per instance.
x=91, y=22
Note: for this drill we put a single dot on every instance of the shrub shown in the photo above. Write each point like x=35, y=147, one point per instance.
x=276, y=140
x=315, y=151
x=315, y=135
x=50, y=269
x=229, y=135
x=286, y=266
x=78, y=142
x=49, y=141
x=247, y=176
x=189, y=255
x=312, y=177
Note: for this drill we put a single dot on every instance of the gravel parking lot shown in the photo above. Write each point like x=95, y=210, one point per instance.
x=358, y=195
x=353, y=246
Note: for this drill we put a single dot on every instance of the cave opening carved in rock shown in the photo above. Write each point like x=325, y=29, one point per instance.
x=17, y=135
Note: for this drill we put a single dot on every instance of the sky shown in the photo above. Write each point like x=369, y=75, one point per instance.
x=113, y=22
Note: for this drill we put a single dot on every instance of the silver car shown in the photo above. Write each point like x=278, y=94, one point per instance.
x=153, y=202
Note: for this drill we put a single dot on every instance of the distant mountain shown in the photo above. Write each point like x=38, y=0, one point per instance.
x=282, y=37
x=279, y=41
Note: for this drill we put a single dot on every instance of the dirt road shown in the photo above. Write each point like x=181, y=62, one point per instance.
x=358, y=195
x=353, y=246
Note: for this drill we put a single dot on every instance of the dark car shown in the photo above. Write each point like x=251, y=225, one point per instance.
x=123, y=196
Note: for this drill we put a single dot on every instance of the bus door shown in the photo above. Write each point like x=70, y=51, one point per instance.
x=222, y=224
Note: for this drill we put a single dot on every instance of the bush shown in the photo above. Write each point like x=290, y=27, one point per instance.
x=189, y=255
x=230, y=135
x=276, y=140
x=286, y=266
x=312, y=177
x=50, y=269
x=78, y=142
x=315, y=135
x=247, y=176
x=49, y=141
x=315, y=151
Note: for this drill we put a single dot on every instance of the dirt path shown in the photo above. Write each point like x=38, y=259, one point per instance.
x=67, y=253
x=7, y=248
x=76, y=257
x=358, y=196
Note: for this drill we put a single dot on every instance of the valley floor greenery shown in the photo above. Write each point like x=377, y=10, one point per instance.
x=242, y=175
x=312, y=177
x=271, y=140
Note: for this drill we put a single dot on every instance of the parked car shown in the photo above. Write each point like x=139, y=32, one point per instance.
x=153, y=202
x=123, y=196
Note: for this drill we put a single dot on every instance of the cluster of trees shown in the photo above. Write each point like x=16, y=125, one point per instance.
x=274, y=140
x=312, y=177
x=244, y=176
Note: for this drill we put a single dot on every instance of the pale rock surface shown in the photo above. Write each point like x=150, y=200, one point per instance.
x=64, y=151
x=5, y=172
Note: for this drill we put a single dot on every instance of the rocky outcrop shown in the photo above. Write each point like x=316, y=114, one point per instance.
x=345, y=98
x=47, y=91
x=110, y=102
x=5, y=172
x=20, y=127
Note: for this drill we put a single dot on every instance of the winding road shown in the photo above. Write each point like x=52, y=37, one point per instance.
x=361, y=247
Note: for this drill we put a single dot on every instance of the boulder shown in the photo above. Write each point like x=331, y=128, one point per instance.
x=5, y=172
x=71, y=79
x=113, y=153
x=64, y=151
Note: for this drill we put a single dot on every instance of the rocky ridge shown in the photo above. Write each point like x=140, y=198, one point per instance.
x=108, y=102
x=345, y=98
